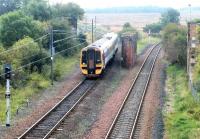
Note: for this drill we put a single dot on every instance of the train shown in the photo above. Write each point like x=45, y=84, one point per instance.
x=95, y=57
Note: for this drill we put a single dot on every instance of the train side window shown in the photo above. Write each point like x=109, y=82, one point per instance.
x=84, y=57
x=98, y=57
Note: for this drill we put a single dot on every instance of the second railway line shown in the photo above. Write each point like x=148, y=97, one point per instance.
x=123, y=126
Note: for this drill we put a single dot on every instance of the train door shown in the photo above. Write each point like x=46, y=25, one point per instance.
x=91, y=61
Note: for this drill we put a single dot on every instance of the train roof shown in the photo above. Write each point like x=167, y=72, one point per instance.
x=100, y=44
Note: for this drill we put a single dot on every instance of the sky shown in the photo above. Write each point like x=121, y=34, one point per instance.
x=93, y=4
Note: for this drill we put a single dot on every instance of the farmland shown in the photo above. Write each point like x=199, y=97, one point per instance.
x=114, y=21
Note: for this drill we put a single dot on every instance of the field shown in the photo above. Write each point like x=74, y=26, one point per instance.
x=138, y=20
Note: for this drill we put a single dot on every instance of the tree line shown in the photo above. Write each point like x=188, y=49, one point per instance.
x=25, y=27
x=174, y=36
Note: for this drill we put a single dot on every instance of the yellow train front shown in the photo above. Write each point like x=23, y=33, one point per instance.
x=96, y=56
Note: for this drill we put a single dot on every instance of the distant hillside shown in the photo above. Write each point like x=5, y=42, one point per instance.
x=193, y=9
x=146, y=9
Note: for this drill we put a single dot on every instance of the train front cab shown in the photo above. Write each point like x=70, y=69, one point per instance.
x=91, y=62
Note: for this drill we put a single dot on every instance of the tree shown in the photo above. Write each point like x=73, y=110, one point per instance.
x=16, y=25
x=175, y=43
x=63, y=25
x=127, y=28
x=127, y=25
x=38, y=9
x=154, y=28
x=71, y=11
x=9, y=5
x=170, y=16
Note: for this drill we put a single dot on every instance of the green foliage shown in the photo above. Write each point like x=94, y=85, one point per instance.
x=154, y=28
x=9, y=5
x=183, y=120
x=82, y=38
x=63, y=26
x=144, y=41
x=16, y=25
x=18, y=30
x=175, y=43
x=127, y=25
x=38, y=9
x=128, y=29
x=70, y=11
x=170, y=16
x=197, y=20
x=196, y=73
x=198, y=33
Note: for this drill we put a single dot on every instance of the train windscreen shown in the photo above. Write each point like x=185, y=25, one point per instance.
x=84, y=57
x=91, y=58
x=98, y=57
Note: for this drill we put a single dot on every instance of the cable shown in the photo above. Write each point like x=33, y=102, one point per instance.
x=63, y=39
x=69, y=48
x=24, y=44
x=26, y=65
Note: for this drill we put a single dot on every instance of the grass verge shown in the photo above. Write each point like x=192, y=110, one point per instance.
x=182, y=113
x=142, y=43
x=36, y=84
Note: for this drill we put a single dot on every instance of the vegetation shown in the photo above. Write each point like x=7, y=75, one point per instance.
x=15, y=25
x=198, y=33
x=144, y=41
x=24, y=43
x=9, y=5
x=153, y=28
x=182, y=118
x=169, y=16
x=175, y=43
x=128, y=29
x=38, y=9
x=196, y=73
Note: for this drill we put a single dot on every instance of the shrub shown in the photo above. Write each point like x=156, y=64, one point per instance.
x=15, y=26
x=175, y=43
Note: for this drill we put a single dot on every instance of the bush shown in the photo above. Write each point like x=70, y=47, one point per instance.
x=15, y=26
x=175, y=43
x=127, y=28
x=154, y=28
x=38, y=9
x=71, y=39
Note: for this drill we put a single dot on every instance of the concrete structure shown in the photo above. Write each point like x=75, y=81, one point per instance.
x=192, y=51
x=129, y=49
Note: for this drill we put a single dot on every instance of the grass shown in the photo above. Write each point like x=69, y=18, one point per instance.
x=36, y=83
x=183, y=121
x=144, y=41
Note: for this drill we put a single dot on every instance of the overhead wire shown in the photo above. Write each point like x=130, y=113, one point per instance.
x=26, y=65
x=6, y=51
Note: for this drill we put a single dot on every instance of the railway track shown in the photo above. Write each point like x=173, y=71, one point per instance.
x=43, y=128
x=124, y=124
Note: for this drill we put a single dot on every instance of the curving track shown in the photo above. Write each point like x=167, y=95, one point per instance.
x=123, y=126
x=48, y=123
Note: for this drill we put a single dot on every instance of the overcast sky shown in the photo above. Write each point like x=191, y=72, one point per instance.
x=92, y=4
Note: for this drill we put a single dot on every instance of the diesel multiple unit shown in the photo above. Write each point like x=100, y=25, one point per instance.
x=96, y=56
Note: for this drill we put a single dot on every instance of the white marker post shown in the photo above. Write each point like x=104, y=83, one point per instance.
x=7, y=69
x=7, y=102
x=149, y=35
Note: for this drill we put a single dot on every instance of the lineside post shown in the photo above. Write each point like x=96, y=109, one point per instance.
x=95, y=27
x=7, y=68
x=92, y=31
x=51, y=51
